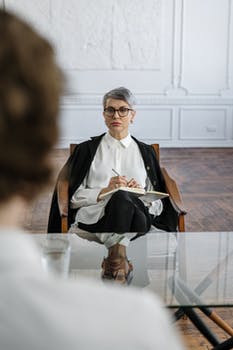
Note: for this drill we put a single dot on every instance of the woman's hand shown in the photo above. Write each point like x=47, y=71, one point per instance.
x=133, y=183
x=117, y=181
x=114, y=182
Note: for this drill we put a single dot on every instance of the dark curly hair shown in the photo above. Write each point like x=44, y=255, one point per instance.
x=30, y=88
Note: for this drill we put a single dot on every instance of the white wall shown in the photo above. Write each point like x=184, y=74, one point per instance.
x=175, y=55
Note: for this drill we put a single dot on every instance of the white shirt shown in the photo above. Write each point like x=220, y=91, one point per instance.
x=122, y=155
x=40, y=312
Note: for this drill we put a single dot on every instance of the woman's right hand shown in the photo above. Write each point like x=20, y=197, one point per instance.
x=117, y=181
x=114, y=182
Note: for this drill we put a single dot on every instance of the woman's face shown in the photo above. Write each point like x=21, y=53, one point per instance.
x=118, y=126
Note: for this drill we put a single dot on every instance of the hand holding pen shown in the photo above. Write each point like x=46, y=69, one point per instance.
x=131, y=183
x=117, y=182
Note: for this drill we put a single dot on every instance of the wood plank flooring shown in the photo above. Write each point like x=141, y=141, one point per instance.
x=205, y=179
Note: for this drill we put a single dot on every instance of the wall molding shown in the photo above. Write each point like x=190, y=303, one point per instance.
x=142, y=99
x=180, y=85
x=177, y=50
x=227, y=73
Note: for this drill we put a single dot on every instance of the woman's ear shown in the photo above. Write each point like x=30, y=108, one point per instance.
x=104, y=117
x=133, y=113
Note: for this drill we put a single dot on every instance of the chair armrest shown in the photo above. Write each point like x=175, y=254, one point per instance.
x=62, y=197
x=173, y=192
x=63, y=202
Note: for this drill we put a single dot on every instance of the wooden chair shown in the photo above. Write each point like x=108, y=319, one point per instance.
x=171, y=188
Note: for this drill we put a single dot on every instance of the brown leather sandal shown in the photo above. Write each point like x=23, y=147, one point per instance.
x=117, y=269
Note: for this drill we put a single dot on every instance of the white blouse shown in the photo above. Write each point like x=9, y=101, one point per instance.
x=122, y=155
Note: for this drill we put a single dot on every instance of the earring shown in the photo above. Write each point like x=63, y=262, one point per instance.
x=131, y=121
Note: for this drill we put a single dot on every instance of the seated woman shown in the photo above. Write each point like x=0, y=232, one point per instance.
x=92, y=170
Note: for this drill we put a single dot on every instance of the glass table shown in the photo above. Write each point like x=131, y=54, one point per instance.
x=187, y=270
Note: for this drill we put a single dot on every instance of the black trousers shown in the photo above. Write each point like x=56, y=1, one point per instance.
x=124, y=212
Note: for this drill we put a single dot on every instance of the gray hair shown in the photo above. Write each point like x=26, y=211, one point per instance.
x=120, y=93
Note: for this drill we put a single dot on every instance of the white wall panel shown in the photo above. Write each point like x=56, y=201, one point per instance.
x=78, y=124
x=37, y=12
x=204, y=124
x=206, y=40
x=107, y=43
x=154, y=124
x=92, y=35
x=106, y=38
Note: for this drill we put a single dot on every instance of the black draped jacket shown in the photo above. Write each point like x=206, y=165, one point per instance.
x=77, y=167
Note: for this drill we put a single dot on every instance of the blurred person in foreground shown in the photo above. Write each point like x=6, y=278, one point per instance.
x=37, y=311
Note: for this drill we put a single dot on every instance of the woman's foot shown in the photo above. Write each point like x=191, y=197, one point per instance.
x=116, y=266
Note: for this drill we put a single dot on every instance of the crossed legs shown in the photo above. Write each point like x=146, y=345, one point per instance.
x=124, y=213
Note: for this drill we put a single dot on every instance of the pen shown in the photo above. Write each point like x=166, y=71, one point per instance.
x=116, y=172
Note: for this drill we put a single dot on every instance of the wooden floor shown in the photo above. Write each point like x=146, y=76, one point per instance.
x=205, y=179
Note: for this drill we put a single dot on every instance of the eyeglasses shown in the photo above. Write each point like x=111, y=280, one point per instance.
x=122, y=111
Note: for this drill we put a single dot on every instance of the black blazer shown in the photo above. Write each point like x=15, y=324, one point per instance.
x=77, y=167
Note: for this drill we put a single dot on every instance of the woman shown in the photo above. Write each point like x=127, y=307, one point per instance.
x=91, y=171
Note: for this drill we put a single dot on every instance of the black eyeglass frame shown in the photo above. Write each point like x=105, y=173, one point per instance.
x=114, y=110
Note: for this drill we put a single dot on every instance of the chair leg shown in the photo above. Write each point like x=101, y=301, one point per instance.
x=64, y=224
x=181, y=223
